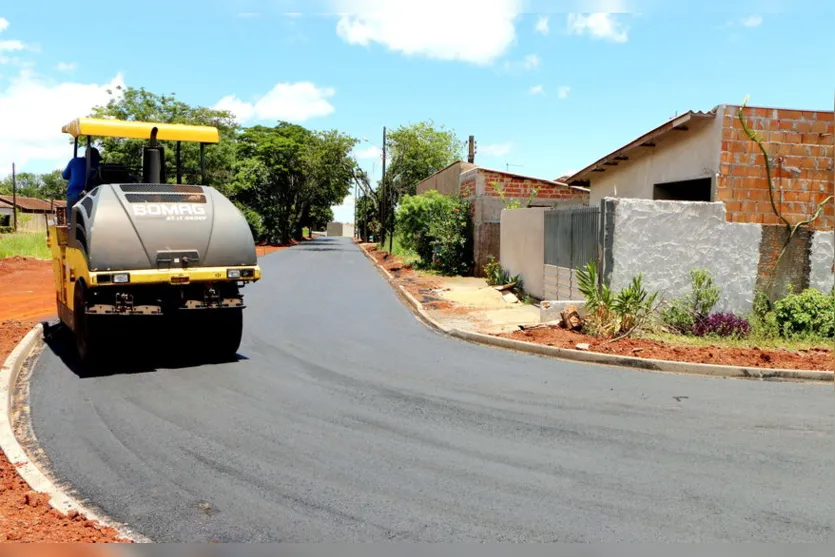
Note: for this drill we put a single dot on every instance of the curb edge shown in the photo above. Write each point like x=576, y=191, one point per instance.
x=59, y=499
x=627, y=362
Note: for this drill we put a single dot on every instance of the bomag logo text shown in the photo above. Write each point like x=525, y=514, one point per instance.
x=170, y=211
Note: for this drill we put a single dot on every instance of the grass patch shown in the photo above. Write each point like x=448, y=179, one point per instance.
x=24, y=245
x=407, y=256
x=754, y=341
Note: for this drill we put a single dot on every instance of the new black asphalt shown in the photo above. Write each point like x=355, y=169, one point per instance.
x=346, y=419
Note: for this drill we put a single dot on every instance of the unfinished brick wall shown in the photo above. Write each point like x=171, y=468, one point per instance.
x=522, y=187
x=794, y=139
x=795, y=266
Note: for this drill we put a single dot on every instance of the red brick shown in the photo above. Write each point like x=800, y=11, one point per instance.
x=790, y=115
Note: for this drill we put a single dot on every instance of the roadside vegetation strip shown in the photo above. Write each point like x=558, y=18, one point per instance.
x=646, y=364
x=24, y=244
x=24, y=355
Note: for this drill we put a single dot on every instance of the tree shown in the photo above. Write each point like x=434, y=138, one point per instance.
x=142, y=105
x=418, y=151
x=41, y=186
x=292, y=176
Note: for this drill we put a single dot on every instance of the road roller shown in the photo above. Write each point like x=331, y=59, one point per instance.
x=141, y=252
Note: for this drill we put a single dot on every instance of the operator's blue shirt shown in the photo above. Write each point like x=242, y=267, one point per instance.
x=75, y=174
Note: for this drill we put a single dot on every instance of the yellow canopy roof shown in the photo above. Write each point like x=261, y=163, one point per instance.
x=141, y=130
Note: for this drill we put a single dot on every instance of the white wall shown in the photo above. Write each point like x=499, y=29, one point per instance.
x=822, y=258
x=665, y=240
x=523, y=247
x=338, y=229
x=678, y=155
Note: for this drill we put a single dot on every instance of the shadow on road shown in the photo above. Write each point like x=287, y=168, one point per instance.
x=139, y=354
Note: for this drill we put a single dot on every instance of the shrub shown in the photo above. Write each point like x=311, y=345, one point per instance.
x=494, y=273
x=438, y=229
x=608, y=314
x=722, y=325
x=683, y=314
x=809, y=313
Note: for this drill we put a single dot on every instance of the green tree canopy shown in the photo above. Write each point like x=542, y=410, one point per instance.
x=141, y=105
x=292, y=176
x=42, y=186
x=418, y=151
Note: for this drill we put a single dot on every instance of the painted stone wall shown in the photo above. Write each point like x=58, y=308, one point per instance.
x=666, y=240
x=822, y=260
x=523, y=247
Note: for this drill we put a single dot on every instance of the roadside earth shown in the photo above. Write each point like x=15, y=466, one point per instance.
x=469, y=304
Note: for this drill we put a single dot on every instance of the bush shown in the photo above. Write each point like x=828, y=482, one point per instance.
x=810, y=313
x=722, y=325
x=608, y=314
x=494, y=273
x=438, y=229
x=686, y=312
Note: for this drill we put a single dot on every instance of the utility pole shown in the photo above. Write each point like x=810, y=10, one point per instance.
x=471, y=150
x=14, y=198
x=384, y=196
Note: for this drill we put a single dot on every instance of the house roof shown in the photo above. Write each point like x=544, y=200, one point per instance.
x=32, y=203
x=526, y=177
x=678, y=123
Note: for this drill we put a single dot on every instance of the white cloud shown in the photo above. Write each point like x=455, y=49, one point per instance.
x=542, y=25
x=531, y=62
x=537, y=90
x=32, y=111
x=496, y=149
x=563, y=91
x=474, y=31
x=371, y=152
x=4, y=24
x=528, y=63
x=293, y=102
x=752, y=21
x=66, y=66
x=11, y=46
x=598, y=26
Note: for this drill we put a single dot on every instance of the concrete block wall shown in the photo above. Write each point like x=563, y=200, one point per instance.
x=340, y=230
x=522, y=247
x=665, y=240
x=822, y=261
x=794, y=139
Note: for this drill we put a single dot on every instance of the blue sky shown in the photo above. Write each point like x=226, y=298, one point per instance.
x=545, y=86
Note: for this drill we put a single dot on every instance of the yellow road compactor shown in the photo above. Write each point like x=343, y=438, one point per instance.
x=139, y=253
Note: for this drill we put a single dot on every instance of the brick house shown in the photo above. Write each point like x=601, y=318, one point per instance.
x=706, y=156
x=483, y=188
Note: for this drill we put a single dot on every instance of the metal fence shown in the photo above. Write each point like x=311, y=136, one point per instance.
x=571, y=241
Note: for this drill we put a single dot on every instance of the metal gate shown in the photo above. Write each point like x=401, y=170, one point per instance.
x=571, y=241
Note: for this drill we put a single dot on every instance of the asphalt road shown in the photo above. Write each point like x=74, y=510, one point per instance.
x=348, y=420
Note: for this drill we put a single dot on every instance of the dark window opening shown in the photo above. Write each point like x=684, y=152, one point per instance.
x=685, y=190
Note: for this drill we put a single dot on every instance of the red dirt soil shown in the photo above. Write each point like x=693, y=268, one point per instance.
x=27, y=289
x=815, y=359
x=820, y=359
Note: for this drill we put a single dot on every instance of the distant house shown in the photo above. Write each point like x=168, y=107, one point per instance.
x=706, y=156
x=32, y=212
x=484, y=188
